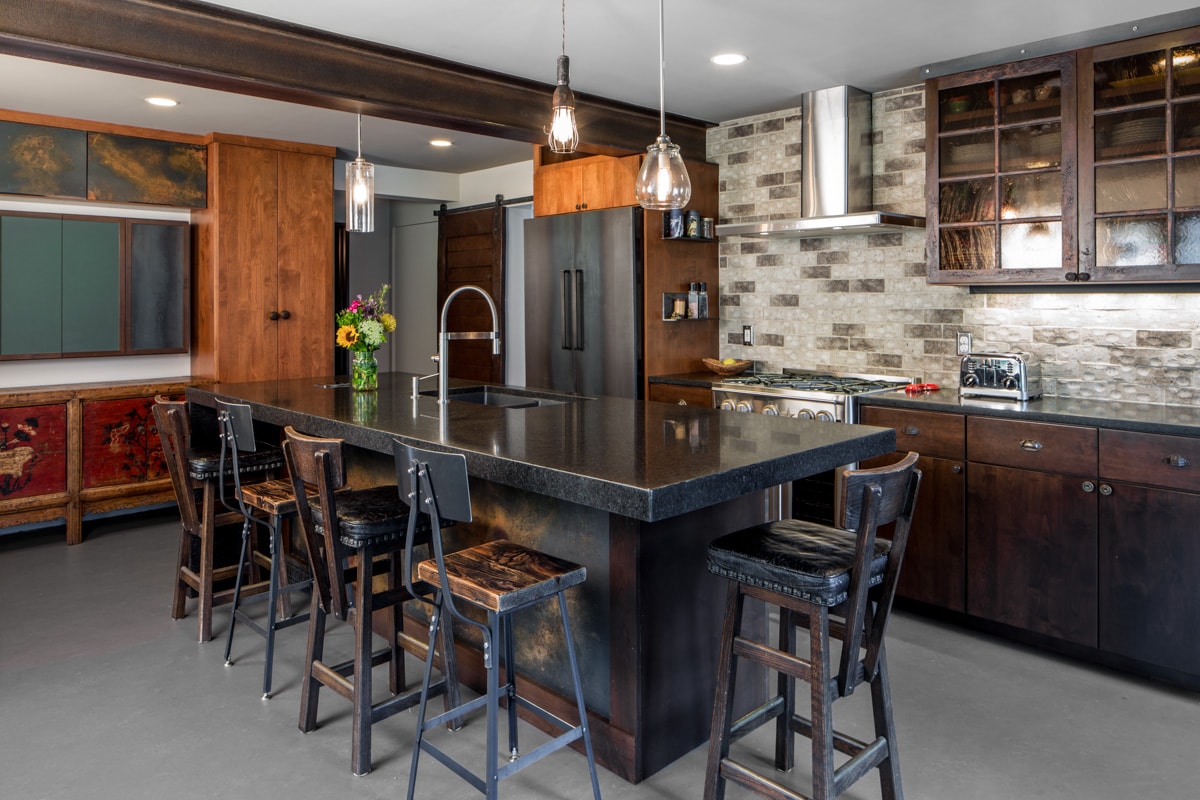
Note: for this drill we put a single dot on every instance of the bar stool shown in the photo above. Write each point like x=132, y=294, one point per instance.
x=813, y=572
x=263, y=503
x=349, y=535
x=196, y=475
x=498, y=578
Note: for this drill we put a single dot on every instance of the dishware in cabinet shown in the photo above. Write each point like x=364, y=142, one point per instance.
x=1001, y=173
x=1140, y=159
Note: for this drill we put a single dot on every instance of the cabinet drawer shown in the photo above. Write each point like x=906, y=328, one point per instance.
x=1066, y=449
x=1151, y=458
x=930, y=433
x=678, y=393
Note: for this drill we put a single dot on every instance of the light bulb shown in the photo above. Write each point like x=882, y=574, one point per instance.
x=562, y=128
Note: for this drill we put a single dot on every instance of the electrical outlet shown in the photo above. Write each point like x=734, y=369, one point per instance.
x=748, y=335
x=964, y=343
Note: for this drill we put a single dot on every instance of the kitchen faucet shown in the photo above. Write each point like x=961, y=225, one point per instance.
x=444, y=337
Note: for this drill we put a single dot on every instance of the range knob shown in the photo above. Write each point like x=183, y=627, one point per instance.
x=728, y=405
x=745, y=407
x=1010, y=382
x=804, y=413
x=970, y=379
x=824, y=416
x=770, y=410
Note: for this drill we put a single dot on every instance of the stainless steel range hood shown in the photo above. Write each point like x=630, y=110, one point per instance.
x=835, y=173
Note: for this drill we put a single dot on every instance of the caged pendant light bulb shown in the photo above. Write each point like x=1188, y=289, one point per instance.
x=360, y=191
x=663, y=182
x=563, y=133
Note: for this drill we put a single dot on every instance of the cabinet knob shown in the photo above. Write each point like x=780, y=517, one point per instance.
x=1105, y=489
x=1176, y=460
x=285, y=314
x=1089, y=487
x=1072, y=276
x=274, y=315
x=577, y=206
x=956, y=469
x=1031, y=445
x=683, y=402
x=912, y=430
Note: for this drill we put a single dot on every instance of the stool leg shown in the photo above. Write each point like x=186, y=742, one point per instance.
x=510, y=685
x=237, y=590
x=587, y=736
x=435, y=624
x=452, y=697
x=272, y=607
x=493, y=706
x=314, y=653
x=360, y=748
x=822, y=706
x=722, y=719
x=785, y=734
x=885, y=726
x=207, y=535
x=179, y=595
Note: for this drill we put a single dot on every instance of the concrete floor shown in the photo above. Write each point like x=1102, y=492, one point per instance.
x=104, y=697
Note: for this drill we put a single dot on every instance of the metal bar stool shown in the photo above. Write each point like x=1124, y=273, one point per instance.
x=813, y=572
x=498, y=578
x=349, y=535
x=196, y=475
x=266, y=503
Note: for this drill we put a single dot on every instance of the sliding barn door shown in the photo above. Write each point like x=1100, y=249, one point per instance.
x=471, y=253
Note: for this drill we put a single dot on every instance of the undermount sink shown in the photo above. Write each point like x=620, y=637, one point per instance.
x=505, y=397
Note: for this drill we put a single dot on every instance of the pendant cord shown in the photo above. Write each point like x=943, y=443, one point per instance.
x=360, y=137
x=662, y=77
x=564, y=27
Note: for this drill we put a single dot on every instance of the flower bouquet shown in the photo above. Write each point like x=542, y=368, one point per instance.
x=362, y=328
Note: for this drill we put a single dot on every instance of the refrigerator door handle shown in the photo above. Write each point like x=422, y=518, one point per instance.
x=565, y=327
x=577, y=312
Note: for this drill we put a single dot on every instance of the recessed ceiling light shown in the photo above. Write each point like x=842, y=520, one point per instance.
x=440, y=142
x=164, y=102
x=727, y=59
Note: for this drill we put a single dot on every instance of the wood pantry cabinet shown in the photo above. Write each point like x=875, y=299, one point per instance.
x=583, y=184
x=934, y=569
x=263, y=293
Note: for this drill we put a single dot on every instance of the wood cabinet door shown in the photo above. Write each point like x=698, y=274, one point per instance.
x=304, y=298
x=1149, y=595
x=608, y=182
x=1032, y=550
x=556, y=189
x=680, y=394
x=247, y=246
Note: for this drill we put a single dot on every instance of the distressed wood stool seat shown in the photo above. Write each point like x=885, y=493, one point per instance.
x=498, y=578
x=840, y=583
x=197, y=476
x=264, y=503
x=351, y=535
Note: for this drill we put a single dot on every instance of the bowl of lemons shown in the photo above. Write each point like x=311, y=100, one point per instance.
x=727, y=366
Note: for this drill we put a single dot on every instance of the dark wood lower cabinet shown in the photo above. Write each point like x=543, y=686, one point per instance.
x=1032, y=551
x=1149, y=588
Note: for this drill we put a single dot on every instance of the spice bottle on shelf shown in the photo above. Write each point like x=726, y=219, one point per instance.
x=694, y=300
x=701, y=300
x=693, y=224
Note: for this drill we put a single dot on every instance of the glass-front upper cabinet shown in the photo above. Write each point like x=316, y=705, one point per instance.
x=1140, y=160
x=1001, y=174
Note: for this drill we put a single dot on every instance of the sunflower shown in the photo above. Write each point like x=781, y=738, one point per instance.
x=347, y=336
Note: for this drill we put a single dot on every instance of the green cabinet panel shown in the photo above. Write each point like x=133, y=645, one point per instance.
x=30, y=285
x=91, y=286
x=157, y=284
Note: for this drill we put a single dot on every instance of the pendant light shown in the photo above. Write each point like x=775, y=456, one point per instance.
x=563, y=133
x=360, y=191
x=663, y=182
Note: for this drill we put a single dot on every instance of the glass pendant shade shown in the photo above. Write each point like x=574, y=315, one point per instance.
x=360, y=196
x=663, y=182
x=564, y=134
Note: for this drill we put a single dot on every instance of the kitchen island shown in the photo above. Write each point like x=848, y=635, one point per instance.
x=633, y=490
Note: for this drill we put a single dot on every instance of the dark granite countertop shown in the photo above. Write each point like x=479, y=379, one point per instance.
x=648, y=461
x=705, y=378
x=1144, y=417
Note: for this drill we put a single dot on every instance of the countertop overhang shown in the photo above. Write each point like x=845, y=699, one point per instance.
x=645, y=460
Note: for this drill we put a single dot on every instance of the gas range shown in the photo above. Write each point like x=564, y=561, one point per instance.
x=804, y=394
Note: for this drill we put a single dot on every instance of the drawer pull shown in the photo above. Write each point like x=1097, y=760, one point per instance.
x=956, y=469
x=1089, y=487
x=1176, y=460
x=1031, y=445
x=912, y=430
x=1105, y=489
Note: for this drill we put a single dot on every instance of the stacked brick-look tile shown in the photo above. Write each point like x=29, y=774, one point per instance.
x=860, y=303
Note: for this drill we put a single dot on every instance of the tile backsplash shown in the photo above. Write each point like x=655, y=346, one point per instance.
x=860, y=303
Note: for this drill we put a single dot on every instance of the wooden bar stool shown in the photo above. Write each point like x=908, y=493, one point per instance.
x=349, y=535
x=814, y=572
x=498, y=578
x=197, y=475
x=266, y=503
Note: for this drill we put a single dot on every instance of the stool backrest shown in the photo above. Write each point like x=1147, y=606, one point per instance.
x=174, y=432
x=318, y=465
x=235, y=426
x=871, y=498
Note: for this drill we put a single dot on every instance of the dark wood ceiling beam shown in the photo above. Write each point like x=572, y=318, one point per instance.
x=216, y=48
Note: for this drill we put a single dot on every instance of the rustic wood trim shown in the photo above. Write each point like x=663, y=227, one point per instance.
x=271, y=144
x=74, y=470
x=56, y=501
x=98, y=494
x=217, y=48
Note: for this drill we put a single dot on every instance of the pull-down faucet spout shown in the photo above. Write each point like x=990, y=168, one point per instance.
x=444, y=337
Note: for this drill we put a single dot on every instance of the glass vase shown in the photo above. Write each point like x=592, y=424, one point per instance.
x=364, y=371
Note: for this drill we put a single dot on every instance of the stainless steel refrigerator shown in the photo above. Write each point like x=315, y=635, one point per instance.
x=583, y=302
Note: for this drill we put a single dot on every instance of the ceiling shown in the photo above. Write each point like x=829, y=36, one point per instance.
x=792, y=47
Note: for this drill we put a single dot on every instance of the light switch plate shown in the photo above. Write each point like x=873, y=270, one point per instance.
x=748, y=335
x=963, y=343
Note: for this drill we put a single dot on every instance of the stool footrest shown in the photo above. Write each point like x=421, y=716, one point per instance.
x=847, y=745
x=540, y=752
x=757, y=717
x=759, y=784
